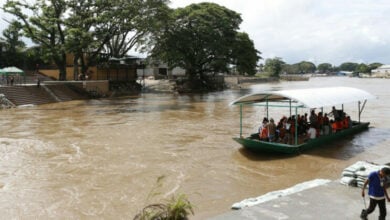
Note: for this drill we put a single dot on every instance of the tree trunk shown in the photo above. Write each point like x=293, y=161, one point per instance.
x=62, y=76
x=75, y=67
x=84, y=65
x=61, y=64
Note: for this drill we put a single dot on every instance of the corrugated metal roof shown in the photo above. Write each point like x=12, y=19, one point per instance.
x=310, y=98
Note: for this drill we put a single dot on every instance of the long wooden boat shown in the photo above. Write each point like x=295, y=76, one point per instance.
x=302, y=98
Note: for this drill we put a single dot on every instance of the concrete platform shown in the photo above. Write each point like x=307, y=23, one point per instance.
x=332, y=200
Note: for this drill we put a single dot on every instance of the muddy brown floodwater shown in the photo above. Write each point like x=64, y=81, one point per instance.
x=101, y=159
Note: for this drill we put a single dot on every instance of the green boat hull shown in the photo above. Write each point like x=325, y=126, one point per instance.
x=273, y=147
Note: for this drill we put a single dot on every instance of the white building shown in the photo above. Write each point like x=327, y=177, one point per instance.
x=384, y=69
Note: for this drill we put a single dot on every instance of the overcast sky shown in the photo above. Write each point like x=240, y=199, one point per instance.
x=333, y=31
x=319, y=31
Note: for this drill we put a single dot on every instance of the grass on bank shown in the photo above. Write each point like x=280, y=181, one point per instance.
x=176, y=208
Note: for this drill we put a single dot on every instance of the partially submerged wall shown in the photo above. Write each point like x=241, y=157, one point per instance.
x=102, y=86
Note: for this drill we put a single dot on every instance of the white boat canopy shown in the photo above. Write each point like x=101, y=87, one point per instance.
x=309, y=98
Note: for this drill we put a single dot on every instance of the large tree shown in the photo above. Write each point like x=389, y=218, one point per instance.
x=374, y=66
x=291, y=68
x=200, y=38
x=138, y=20
x=43, y=24
x=87, y=27
x=307, y=67
x=324, y=67
x=244, y=54
x=299, y=68
x=274, y=66
x=13, y=46
x=113, y=27
x=363, y=68
x=348, y=66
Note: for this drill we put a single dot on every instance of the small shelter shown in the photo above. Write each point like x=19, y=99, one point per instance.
x=12, y=70
x=17, y=74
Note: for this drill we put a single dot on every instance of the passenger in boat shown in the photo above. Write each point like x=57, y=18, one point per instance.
x=263, y=124
x=332, y=126
x=311, y=132
x=263, y=131
x=337, y=126
x=333, y=113
x=305, y=124
x=291, y=135
x=302, y=125
x=281, y=129
x=271, y=128
x=313, y=118
x=264, y=134
x=347, y=123
x=326, y=125
x=286, y=127
x=320, y=123
x=337, y=114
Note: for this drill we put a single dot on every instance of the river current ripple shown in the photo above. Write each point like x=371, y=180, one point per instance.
x=102, y=159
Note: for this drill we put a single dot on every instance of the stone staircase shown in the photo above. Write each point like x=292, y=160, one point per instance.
x=33, y=95
x=26, y=92
x=26, y=95
x=64, y=93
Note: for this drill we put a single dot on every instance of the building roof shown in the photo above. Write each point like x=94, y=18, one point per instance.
x=11, y=69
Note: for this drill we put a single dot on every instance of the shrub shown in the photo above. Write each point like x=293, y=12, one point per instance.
x=177, y=208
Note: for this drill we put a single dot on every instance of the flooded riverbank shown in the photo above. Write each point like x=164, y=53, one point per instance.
x=102, y=158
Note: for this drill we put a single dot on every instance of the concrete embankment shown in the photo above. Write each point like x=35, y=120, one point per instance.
x=328, y=201
x=331, y=200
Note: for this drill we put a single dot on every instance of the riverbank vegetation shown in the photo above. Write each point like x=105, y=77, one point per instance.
x=203, y=39
x=175, y=208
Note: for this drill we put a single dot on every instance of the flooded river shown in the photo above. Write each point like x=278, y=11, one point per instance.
x=101, y=159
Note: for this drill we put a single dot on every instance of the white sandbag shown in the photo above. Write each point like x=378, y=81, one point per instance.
x=350, y=181
x=357, y=173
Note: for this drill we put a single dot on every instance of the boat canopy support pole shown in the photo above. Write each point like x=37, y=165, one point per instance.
x=240, y=120
x=296, y=125
x=361, y=108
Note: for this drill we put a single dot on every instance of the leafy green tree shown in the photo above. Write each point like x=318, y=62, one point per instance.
x=362, y=68
x=138, y=20
x=274, y=66
x=43, y=24
x=307, y=67
x=291, y=68
x=114, y=27
x=87, y=27
x=33, y=57
x=348, y=66
x=80, y=31
x=244, y=55
x=324, y=67
x=202, y=38
x=374, y=66
x=13, y=45
x=299, y=68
